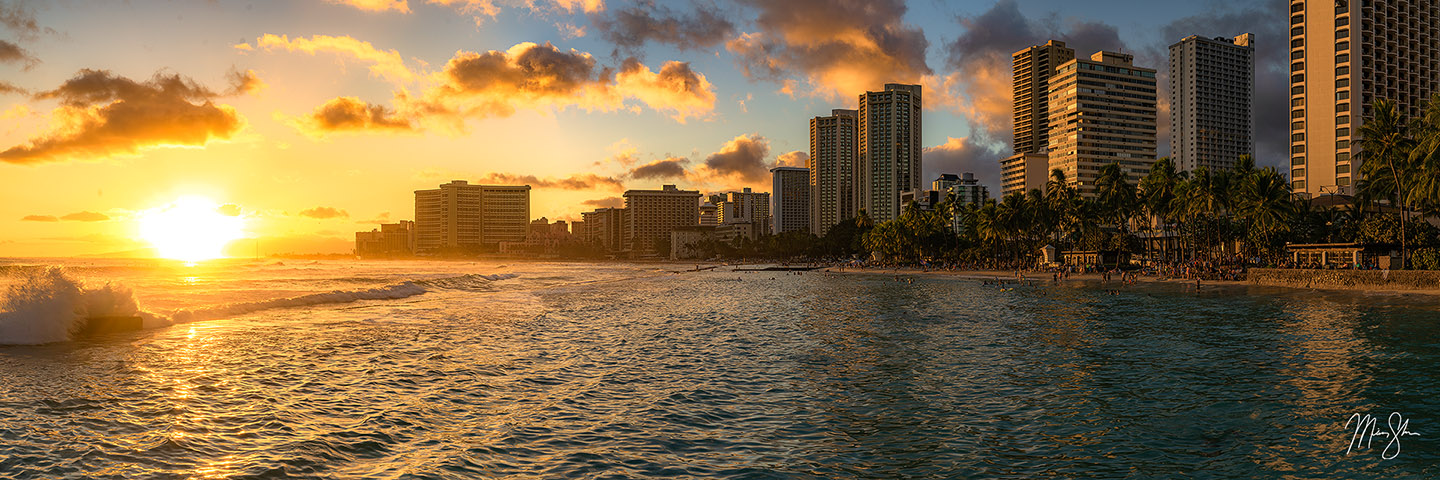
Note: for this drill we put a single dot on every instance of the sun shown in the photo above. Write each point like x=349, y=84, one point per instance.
x=190, y=229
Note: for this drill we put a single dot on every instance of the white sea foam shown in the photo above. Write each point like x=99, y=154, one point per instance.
x=391, y=292
x=47, y=306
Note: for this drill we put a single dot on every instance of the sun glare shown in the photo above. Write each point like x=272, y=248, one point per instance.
x=190, y=229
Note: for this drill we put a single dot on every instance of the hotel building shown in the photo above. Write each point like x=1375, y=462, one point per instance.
x=790, y=199
x=1212, y=85
x=832, y=169
x=1345, y=55
x=1102, y=111
x=1029, y=167
x=650, y=215
x=889, y=150
x=463, y=217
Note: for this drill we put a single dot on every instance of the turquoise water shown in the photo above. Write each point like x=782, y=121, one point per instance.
x=630, y=371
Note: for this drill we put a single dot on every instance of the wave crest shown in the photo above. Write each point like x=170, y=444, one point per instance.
x=48, y=306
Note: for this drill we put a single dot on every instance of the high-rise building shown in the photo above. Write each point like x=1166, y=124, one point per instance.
x=467, y=218
x=832, y=169
x=391, y=239
x=604, y=227
x=1344, y=56
x=790, y=199
x=889, y=150
x=1023, y=172
x=709, y=214
x=1033, y=68
x=1102, y=111
x=652, y=214
x=1212, y=85
x=748, y=208
x=962, y=189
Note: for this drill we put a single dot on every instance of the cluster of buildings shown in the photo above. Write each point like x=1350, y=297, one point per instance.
x=1074, y=114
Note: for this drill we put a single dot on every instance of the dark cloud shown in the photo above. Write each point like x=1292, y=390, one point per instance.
x=631, y=28
x=12, y=53
x=85, y=217
x=350, y=114
x=1272, y=68
x=742, y=157
x=15, y=17
x=607, y=202
x=839, y=47
x=11, y=88
x=244, y=83
x=673, y=167
x=583, y=181
x=961, y=155
x=39, y=218
x=102, y=115
x=324, y=213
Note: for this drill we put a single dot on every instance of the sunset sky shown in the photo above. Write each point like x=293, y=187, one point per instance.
x=312, y=119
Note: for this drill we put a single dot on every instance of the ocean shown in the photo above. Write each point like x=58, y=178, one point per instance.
x=350, y=369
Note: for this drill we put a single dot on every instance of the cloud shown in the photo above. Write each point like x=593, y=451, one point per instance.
x=607, y=202
x=961, y=155
x=85, y=217
x=676, y=88
x=229, y=210
x=12, y=53
x=582, y=181
x=39, y=218
x=838, y=47
x=21, y=20
x=102, y=115
x=528, y=75
x=742, y=158
x=376, y=5
x=324, y=213
x=673, y=167
x=388, y=65
x=798, y=158
x=980, y=86
x=350, y=114
x=11, y=88
x=244, y=83
x=631, y=28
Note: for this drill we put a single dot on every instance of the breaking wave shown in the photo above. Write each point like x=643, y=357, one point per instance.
x=49, y=306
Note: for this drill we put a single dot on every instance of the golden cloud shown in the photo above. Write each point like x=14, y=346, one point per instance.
x=324, y=213
x=103, y=115
x=376, y=5
x=350, y=114
x=676, y=88
x=388, y=65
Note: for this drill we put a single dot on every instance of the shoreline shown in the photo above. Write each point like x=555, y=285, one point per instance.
x=1096, y=278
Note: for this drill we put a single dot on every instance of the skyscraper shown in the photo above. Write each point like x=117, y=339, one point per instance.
x=832, y=169
x=790, y=199
x=1212, y=85
x=889, y=149
x=1033, y=68
x=1102, y=111
x=463, y=217
x=1344, y=56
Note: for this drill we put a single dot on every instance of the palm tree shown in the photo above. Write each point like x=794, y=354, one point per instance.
x=1115, y=196
x=1425, y=159
x=1157, y=193
x=1385, y=148
x=1265, y=204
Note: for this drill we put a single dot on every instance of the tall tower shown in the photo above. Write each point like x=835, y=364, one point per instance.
x=888, y=154
x=1212, y=115
x=1033, y=68
x=1345, y=55
x=790, y=199
x=1102, y=111
x=832, y=169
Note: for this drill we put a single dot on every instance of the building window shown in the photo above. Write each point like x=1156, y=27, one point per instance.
x=1342, y=83
x=1342, y=169
x=1342, y=71
x=1342, y=6
x=1297, y=137
x=1297, y=66
x=1342, y=95
x=1297, y=19
x=1299, y=172
x=1297, y=43
x=1342, y=107
x=1294, y=149
x=1298, y=184
x=1342, y=144
x=1342, y=120
x=1342, y=21
x=1297, y=31
x=1297, y=78
x=1297, y=7
x=1342, y=46
x=1297, y=102
x=1342, y=181
x=1297, y=161
x=1342, y=132
x=1297, y=113
x=1300, y=125
x=1297, y=54
x=1297, y=90
x=1344, y=33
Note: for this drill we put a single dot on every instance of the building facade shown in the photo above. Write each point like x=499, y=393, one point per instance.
x=963, y=189
x=604, y=227
x=1030, y=80
x=1023, y=172
x=390, y=240
x=1212, y=88
x=459, y=217
x=652, y=214
x=790, y=199
x=888, y=152
x=1344, y=56
x=832, y=169
x=1102, y=111
x=748, y=208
